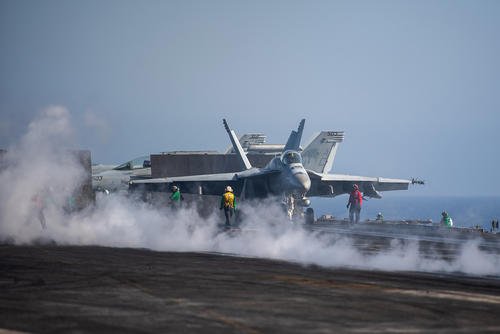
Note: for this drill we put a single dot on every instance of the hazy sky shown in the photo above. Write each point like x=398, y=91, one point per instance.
x=415, y=84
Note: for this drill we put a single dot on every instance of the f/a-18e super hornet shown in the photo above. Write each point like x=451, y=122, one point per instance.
x=284, y=176
x=318, y=156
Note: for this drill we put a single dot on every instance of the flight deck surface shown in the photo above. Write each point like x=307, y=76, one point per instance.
x=47, y=289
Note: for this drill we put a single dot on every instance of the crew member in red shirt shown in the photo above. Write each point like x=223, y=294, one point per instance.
x=354, y=204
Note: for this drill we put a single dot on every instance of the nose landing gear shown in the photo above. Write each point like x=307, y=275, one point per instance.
x=294, y=209
x=309, y=216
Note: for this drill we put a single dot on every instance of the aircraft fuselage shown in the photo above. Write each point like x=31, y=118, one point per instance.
x=292, y=177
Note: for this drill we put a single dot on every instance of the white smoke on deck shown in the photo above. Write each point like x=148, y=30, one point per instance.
x=38, y=169
x=39, y=164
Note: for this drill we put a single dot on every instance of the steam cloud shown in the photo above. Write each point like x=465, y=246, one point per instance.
x=38, y=167
x=39, y=164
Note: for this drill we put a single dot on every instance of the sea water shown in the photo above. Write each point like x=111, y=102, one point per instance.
x=465, y=211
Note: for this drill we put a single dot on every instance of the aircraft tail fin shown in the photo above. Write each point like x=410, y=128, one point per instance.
x=237, y=147
x=293, y=142
x=319, y=154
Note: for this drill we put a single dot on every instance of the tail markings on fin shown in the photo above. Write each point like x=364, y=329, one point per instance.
x=319, y=154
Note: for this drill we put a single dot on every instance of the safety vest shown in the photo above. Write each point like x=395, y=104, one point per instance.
x=176, y=196
x=447, y=221
x=228, y=199
x=356, y=198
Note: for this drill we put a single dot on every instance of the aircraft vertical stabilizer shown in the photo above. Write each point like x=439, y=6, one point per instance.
x=237, y=147
x=319, y=154
x=293, y=142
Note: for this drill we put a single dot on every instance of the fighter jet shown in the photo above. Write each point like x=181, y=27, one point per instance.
x=319, y=155
x=117, y=178
x=283, y=177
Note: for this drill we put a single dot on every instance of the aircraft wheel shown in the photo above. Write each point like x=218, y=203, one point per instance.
x=309, y=216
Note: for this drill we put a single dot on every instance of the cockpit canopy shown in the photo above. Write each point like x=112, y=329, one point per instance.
x=291, y=157
x=141, y=162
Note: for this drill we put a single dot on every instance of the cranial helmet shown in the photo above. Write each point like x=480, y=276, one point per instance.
x=175, y=188
x=228, y=188
x=355, y=186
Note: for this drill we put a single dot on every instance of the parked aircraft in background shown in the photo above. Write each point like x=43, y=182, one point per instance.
x=255, y=143
x=283, y=177
x=99, y=168
x=118, y=177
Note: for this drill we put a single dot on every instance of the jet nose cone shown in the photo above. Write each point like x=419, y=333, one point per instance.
x=303, y=182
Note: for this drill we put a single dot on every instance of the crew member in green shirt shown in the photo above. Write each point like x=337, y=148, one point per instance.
x=176, y=197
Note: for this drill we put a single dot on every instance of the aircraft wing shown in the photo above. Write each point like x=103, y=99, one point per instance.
x=245, y=163
x=331, y=185
x=207, y=184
